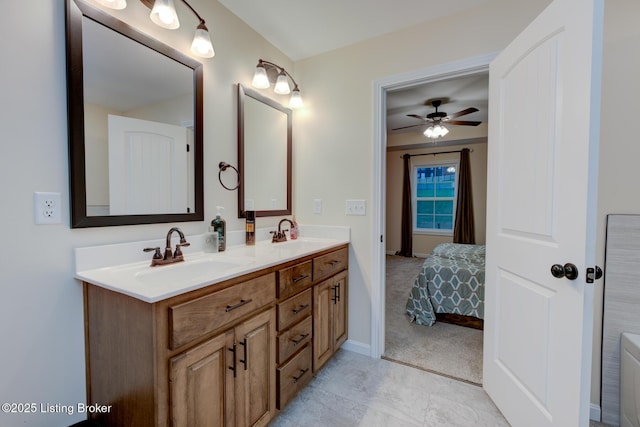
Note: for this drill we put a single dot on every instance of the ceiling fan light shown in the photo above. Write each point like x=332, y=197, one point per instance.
x=429, y=133
x=260, y=78
x=443, y=130
x=282, y=84
x=113, y=4
x=164, y=14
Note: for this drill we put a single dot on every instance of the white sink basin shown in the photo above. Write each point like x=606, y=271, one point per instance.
x=198, y=269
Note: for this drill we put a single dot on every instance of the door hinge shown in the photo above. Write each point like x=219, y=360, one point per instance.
x=381, y=238
x=188, y=148
x=593, y=274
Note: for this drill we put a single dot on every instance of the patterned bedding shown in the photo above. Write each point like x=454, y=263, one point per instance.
x=451, y=280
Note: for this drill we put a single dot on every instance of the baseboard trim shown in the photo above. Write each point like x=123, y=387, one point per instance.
x=357, y=347
x=594, y=412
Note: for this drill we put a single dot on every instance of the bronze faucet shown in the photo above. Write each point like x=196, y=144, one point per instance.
x=169, y=256
x=280, y=235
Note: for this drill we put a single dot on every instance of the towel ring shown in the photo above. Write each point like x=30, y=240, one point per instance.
x=223, y=167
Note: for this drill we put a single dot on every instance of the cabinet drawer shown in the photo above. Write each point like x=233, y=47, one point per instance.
x=294, y=309
x=193, y=319
x=293, y=279
x=294, y=339
x=293, y=376
x=326, y=265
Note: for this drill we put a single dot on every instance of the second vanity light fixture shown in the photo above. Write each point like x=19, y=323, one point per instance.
x=261, y=81
x=163, y=14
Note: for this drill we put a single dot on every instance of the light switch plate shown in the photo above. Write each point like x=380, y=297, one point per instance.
x=317, y=206
x=355, y=207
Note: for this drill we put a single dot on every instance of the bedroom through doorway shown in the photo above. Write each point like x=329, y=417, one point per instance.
x=444, y=348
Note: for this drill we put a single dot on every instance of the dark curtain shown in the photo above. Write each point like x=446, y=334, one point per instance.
x=406, y=232
x=464, y=230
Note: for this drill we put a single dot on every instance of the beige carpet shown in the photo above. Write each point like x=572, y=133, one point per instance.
x=450, y=350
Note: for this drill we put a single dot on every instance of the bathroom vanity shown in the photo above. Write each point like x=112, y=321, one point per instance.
x=229, y=346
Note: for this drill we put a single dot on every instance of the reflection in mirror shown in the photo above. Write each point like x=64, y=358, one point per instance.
x=135, y=124
x=264, y=155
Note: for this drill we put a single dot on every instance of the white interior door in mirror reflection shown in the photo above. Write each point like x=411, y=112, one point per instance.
x=148, y=167
x=265, y=171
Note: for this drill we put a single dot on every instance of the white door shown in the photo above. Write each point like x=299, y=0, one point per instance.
x=541, y=209
x=147, y=167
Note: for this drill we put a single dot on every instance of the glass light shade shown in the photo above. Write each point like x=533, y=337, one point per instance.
x=296, y=100
x=202, y=45
x=429, y=132
x=260, y=78
x=164, y=14
x=282, y=84
x=113, y=4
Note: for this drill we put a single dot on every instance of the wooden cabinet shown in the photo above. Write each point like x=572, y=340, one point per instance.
x=228, y=380
x=229, y=354
x=203, y=358
x=330, y=302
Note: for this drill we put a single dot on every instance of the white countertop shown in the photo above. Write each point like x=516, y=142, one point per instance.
x=105, y=266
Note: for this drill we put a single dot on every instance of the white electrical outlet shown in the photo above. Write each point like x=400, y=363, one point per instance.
x=355, y=207
x=317, y=206
x=47, y=208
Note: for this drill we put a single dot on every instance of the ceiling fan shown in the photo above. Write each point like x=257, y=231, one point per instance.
x=438, y=118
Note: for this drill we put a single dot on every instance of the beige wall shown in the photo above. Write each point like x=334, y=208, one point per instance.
x=41, y=315
x=333, y=158
x=619, y=146
x=424, y=243
x=41, y=318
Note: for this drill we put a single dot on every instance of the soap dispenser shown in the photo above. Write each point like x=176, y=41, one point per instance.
x=219, y=226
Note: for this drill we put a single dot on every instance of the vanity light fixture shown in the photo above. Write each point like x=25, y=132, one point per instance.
x=261, y=81
x=163, y=14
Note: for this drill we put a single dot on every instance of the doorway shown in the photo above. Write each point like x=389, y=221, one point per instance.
x=466, y=67
x=444, y=348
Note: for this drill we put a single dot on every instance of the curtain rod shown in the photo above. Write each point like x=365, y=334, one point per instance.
x=437, y=152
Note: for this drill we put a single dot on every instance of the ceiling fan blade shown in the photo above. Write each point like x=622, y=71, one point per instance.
x=462, y=113
x=416, y=116
x=407, y=127
x=462, y=123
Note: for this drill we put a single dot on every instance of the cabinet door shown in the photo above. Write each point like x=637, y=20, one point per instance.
x=200, y=379
x=339, y=315
x=322, y=324
x=255, y=382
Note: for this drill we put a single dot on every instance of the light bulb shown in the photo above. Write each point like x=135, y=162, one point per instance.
x=429, y=133
x=296, y=100
x=202, y=45
x=260, y=78
x=113, y=4
x=282, y=84
x=164, y=14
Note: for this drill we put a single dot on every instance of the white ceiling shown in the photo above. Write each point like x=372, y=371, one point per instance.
x=302, y=29
x=305, y=28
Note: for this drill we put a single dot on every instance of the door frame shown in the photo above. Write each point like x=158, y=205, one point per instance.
x=465, y=67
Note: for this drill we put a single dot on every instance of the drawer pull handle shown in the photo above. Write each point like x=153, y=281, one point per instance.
x=243, y=343
x=240, y=304
x=334, y=263
x=233, y=368
x=299, y=309
x=299, y=340
x=302, y=372
x=336, y=293
x=297, y=279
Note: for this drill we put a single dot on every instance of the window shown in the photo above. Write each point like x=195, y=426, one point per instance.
x=434, y=191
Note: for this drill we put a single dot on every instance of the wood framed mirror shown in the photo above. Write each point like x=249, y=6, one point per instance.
x=264, y=155
x=135, y=124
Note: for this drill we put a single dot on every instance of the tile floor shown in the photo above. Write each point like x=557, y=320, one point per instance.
x=355, y=390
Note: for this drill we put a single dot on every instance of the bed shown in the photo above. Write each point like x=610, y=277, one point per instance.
x=451, y=281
